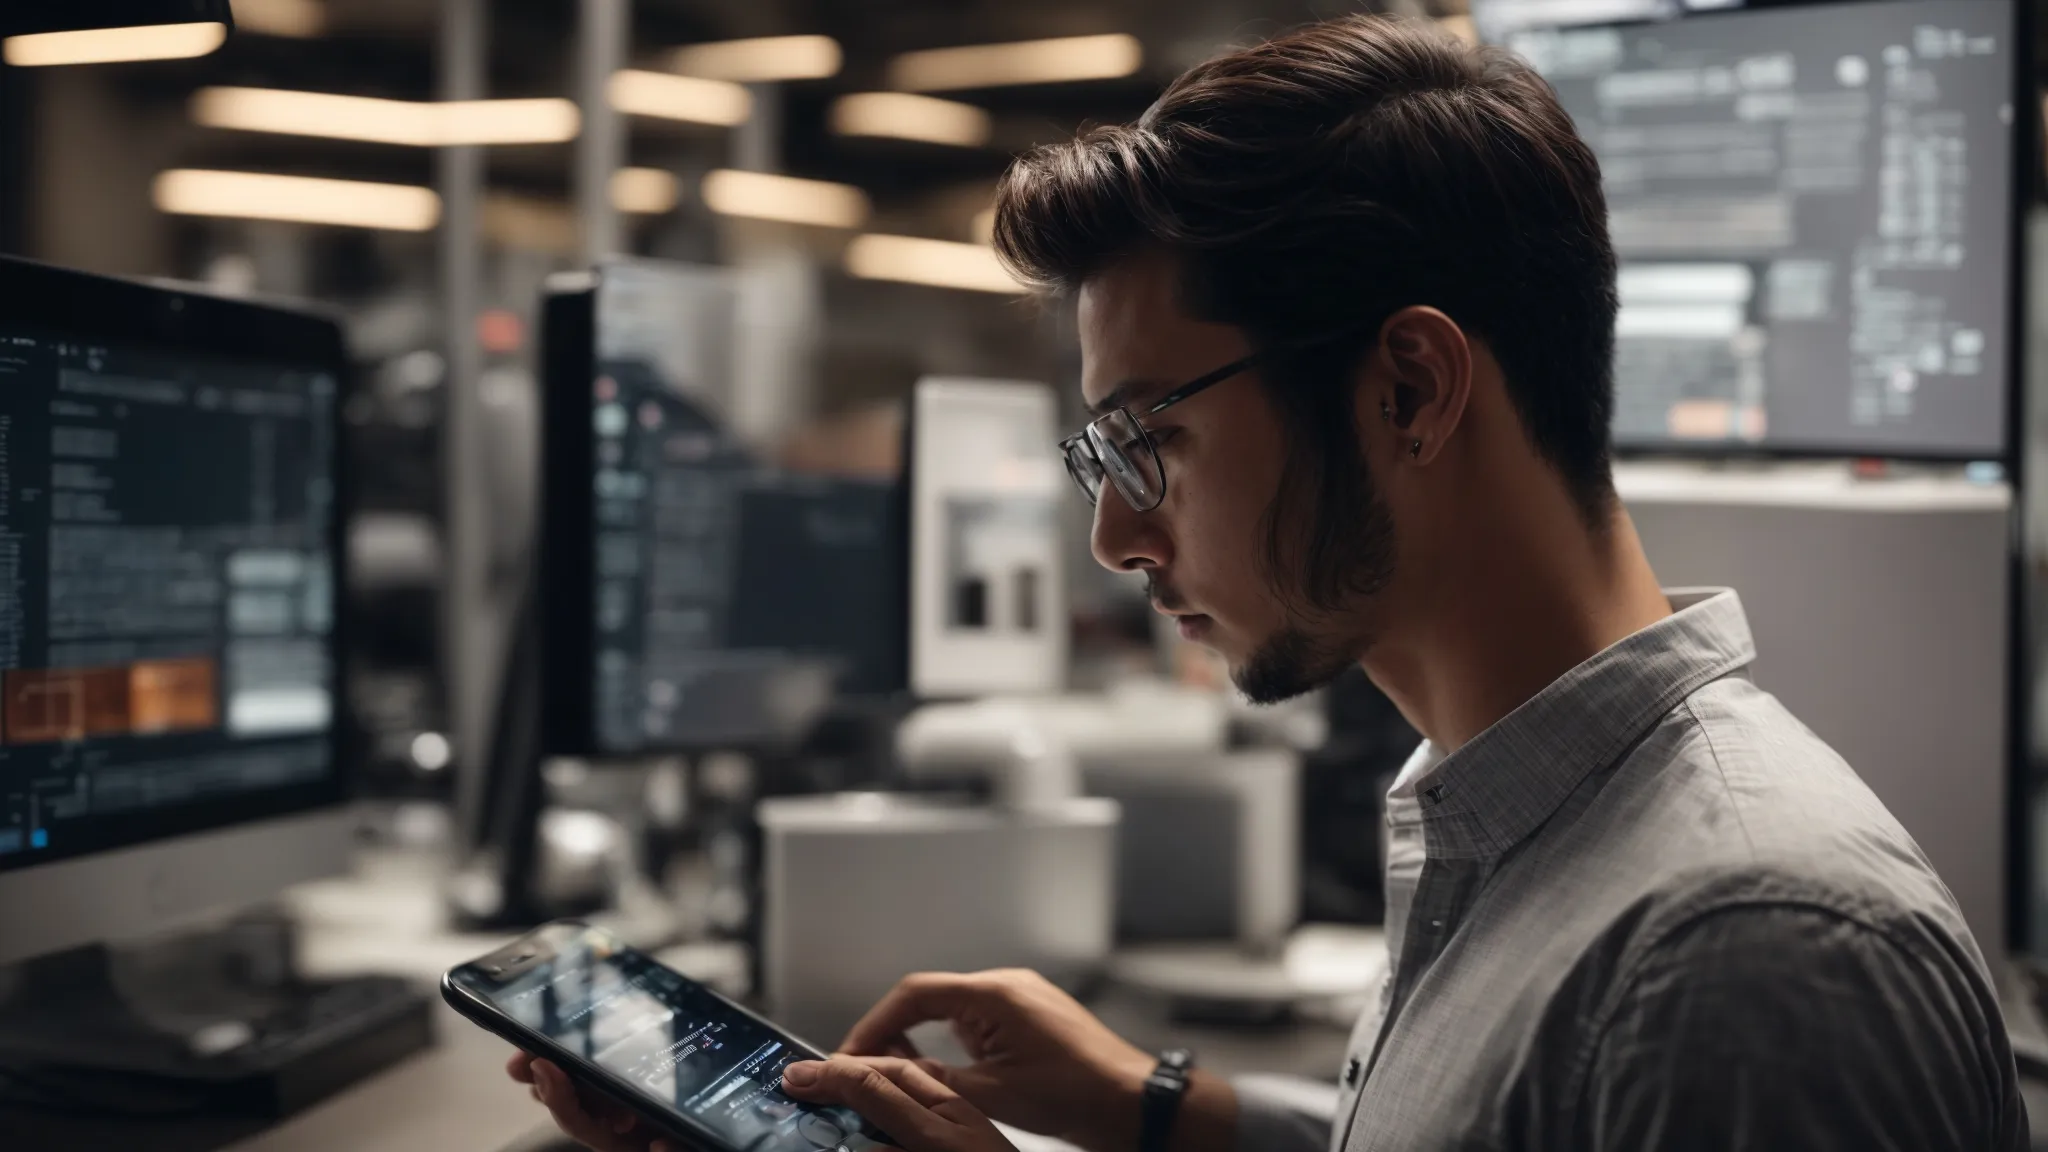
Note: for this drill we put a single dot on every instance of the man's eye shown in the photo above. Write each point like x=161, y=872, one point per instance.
x=1161, y=437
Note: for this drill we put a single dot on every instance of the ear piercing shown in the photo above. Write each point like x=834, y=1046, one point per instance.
x=1414, y=446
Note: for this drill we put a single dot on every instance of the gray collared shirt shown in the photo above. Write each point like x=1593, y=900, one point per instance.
x=1650, y=909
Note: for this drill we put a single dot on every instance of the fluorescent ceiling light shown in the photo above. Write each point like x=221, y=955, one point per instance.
x=1024, y=62
x=409, y=122
x=688, y=98
x=941, y=263
x=114, y=45
x=295, y=18
x=762, y=58
x=763, y=196
x=644, y=191
x=542, y=120
x=907, y=117
x=301, y=199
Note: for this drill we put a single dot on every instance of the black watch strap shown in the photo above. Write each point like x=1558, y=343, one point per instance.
x=1164, y=1090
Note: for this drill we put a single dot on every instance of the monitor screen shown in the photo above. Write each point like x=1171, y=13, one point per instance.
x=820, y=570
x=685, y=583
x=1813, y=208
x=167, y=589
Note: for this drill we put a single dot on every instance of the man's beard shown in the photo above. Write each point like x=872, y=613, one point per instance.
x=1289, y=664
x=1317, y=644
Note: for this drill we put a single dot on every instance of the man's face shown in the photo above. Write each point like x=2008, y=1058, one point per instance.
x=1224, y=450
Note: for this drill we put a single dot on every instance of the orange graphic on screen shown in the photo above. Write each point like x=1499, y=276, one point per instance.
x=52, y=704
x=172, y=696
x=48, y=705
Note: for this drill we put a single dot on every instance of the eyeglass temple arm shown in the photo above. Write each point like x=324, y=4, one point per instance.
x=1200, y=382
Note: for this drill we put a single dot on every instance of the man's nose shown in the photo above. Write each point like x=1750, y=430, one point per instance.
x=1125, y=540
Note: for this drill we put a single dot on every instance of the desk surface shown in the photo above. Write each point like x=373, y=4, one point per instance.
x=455, y=1096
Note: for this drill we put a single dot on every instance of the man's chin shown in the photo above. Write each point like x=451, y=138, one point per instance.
x=1286, y=666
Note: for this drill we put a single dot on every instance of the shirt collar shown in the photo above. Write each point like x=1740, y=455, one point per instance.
x=1492, y=793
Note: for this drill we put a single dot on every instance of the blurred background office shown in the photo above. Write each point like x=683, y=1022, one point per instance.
x=702, y=564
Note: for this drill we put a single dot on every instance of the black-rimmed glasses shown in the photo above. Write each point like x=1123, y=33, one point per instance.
x=1115, y=445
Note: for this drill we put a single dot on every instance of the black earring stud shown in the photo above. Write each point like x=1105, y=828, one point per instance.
x=1414, y=449
x=1386, y=410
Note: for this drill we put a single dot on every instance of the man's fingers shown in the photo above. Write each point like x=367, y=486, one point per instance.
x=520, y=1067
x=915, y=1000
x=559, y=1094
x=858, y=1084
x=917, y=1082
x=972, y=1085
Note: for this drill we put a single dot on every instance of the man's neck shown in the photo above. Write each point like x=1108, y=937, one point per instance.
x=1499, y=628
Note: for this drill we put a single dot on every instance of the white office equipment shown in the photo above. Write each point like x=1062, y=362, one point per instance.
x=988, y=594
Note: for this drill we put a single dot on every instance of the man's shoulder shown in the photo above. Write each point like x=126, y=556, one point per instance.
x=1740, y=811
x=1778, y=800
x=1763, y=758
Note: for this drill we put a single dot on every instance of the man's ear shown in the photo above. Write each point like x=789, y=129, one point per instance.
x=1426, y=380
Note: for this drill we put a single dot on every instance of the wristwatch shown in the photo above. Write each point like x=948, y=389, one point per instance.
x=1161, y=1101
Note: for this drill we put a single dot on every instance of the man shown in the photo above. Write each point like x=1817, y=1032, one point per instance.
x=1347, y=307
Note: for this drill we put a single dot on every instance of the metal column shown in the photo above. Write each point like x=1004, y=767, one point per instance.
x=470, y=624
x=781, y=297
x=600, y=151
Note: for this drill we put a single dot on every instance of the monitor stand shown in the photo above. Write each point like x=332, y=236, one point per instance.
x=497, y=887
x=207, y=1024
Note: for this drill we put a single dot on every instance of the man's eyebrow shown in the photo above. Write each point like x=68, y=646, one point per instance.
x=1123, y=395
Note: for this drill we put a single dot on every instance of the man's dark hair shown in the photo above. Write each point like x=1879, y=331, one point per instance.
x=1310, y=187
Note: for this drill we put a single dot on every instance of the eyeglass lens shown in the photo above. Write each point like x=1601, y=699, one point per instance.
x=1125, y=454
x=1084, y=467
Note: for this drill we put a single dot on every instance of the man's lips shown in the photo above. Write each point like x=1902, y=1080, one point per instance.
x=1167, y=602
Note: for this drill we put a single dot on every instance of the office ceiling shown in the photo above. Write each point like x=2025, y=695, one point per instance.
x=387, y=48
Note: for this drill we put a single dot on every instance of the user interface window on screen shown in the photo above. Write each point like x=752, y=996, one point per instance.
x=709, y=579
x=673, y=1041
x=1812, y=211
x=166, y=587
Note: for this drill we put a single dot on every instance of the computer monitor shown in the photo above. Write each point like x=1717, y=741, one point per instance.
x=169, y=738
x=988, y=608
x=692, y=595
x=1814, y=208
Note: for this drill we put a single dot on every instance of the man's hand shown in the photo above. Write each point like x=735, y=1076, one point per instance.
x=919, y=1113
x=596, y=1123
x=1041, y=1061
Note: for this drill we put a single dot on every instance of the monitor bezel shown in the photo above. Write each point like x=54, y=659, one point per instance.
x=2025, y=119
x=49, y=301
x=566, y=576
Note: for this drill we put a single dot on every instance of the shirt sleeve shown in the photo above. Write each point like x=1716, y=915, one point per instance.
x=1274, y=1115
x=1794, y=1027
